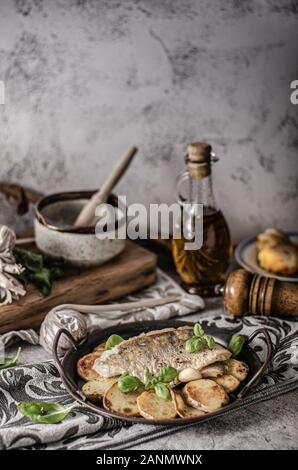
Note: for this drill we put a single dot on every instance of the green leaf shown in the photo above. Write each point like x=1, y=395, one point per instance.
x=167, y=374
x=236, y=344
x=129, y=383
x=42, y=279
x=147, y=376
x=162, y=391
x=43, y=412
x=29, y=259
x=194, y=344
x=40, y=269
x=112, y=341
x=210, y=341
x=6, y=362
x=198, y=330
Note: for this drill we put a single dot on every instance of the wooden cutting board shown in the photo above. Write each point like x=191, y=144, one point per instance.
x=130, y=271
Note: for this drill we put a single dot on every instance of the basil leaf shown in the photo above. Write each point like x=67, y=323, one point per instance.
x=42, y=279
x=27, y=258
x=40, y=269
x=129, y=383
x=112, y=341
x=236, y=344
x=147, y=376
x=6, y=362
x=194, y=344
x=43, y=412
x=167, y=374
x=198, y=330
x=210, y=341
x=162, y=391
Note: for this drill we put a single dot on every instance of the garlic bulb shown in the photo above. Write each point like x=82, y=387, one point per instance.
x=71, y=320
x=10, y=287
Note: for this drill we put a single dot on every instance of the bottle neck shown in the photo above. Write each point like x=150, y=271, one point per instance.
x=201, y=192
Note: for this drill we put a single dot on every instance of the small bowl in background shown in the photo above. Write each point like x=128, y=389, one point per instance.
x=56, y=236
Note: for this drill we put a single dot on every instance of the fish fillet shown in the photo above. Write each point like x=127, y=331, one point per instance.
x=155, y=350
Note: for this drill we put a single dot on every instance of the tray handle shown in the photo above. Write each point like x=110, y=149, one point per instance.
x=257, y=376
x=75, y=344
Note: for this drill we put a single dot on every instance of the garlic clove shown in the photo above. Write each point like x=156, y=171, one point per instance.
x=189, y=374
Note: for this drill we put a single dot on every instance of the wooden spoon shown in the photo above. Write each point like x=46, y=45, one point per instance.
x=120, y=308
x=86, y=216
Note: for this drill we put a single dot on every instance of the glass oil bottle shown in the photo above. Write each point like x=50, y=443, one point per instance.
x=201, y=269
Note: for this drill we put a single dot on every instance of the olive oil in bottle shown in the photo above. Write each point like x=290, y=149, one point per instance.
x=201, y=269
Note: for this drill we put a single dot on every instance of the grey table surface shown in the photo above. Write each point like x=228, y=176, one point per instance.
x=268, y=425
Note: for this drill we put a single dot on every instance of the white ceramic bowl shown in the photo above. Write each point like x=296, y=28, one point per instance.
x=55, y=235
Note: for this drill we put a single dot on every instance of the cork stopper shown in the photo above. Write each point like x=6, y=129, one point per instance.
x=199, y=158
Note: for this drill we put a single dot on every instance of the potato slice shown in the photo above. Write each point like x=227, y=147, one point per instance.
x=100, y=347
x=183, y=410
x=153, y=407
x=214, y=370
x=205, y=394
x=228, y=382
x=118, y=402
x=94, y=390
x=85, y=366
x=236, y=368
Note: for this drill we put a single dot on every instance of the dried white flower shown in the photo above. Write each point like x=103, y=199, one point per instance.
x=10, y=287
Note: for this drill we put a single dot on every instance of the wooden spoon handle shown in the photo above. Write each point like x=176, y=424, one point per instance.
x=123, y=307
x=86, y=215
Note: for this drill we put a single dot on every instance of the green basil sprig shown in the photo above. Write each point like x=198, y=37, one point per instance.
x=199, y=341
x=112, y=341
x=166, y=375
x=129, y=383
x=194, y=344
x=162, y=391
x=6, y=362
x=236, y=344
x=43, y=412
x=41, y=270
x=198, y=330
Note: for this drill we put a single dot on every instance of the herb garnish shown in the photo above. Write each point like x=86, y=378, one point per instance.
x=43, y=412
x=162, y=391
x=236, y=344
x=40, y=270
x=130, y=384
x=112, y=341
x=199, y=341
x=6, y=362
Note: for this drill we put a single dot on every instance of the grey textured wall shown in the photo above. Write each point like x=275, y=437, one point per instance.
x=86, y=79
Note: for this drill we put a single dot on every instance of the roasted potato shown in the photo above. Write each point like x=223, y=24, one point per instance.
x=282, y=259
x=95, y=389
x=270, y=238
x=214, y=370
x=182, y=409
x=85, y=366
x=205, y=395
x=228, y=382
x=118, y=402
x=100, y=347
x=153, y=407
x=236, y=368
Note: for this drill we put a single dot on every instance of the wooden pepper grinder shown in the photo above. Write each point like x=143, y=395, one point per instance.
x=251, y=294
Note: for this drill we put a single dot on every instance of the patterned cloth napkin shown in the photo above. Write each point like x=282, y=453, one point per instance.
x=83, y=429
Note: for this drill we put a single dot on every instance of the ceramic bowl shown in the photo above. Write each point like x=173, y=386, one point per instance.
x=56, y=236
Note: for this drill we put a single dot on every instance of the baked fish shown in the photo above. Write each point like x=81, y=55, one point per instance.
x=155, y=350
